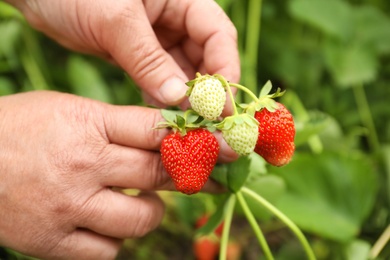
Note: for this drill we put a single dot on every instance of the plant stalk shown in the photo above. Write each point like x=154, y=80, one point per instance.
x=256, y=228
x=380, y=243
x=252, y=40
x=229, y=209
x=291, y=225
x=366, y=117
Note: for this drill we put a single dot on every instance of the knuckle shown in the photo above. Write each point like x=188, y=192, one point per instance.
x=149, y=59
x=148, y=219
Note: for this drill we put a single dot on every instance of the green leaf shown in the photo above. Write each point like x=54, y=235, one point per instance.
x=332, y=16
x=357, y=250
x=170, y=115
x=330, y=194
x=180, y=121
x=6, y=86
x=386, y=160
x=237, y=173
x=270, y=187
x=10, y=37
x=316, y=123
x=372, y=28
x=215, y=219
x=8, y=11
x=86, y=81
x=191, y=82
x=257, y=166
x=350, y=64
x=219, y=174
x=266, y=89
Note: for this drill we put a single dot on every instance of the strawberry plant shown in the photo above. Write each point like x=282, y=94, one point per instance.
x=189, y=154
x=335, y=69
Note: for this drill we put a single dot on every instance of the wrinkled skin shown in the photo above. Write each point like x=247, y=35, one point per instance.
x=161, y=44
x=61, y=155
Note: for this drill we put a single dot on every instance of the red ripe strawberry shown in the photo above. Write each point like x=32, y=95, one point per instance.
x=276, y=135
x=206, y=248
x=189, y=159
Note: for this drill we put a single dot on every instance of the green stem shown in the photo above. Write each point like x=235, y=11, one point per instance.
x=30, y=62
x=246, y=90
x=229, y=209
x=294, y=228
x=366, y=117
x=380, y=243
x=229, y=90
x=255, y=226
x=252, y=40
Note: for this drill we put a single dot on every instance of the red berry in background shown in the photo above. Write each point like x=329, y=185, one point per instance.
x=203, y=220
x=276, y=135
x=206, y=248
x=189, y=159
x=234, y=250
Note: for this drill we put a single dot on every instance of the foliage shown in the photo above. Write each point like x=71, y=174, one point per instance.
x=333, y=58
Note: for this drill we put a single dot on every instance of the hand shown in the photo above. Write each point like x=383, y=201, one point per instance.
x=161, y=44
x=60, y=157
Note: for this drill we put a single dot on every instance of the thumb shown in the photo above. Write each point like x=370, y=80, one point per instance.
x=135, y=47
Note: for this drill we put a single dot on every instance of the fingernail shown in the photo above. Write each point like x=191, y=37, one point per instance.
x=173, y=91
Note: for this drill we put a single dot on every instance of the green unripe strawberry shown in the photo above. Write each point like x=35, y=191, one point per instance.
x=240, y=133
x=207, y=96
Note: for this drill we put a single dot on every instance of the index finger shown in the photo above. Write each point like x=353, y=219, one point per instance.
x=133, y=126
x=209, y=26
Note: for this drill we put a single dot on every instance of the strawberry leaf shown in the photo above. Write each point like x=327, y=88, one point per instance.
x=191, y=82
x=250, y=120
x=214, y=219
x=219, y=174
x=180, y=121
x=170, y=115
x=238, y=172
x=266, y=89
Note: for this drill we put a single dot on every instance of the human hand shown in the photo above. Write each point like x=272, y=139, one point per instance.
x=161, y=44
x=60, y=157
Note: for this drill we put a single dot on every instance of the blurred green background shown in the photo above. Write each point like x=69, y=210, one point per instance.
x=332, y=57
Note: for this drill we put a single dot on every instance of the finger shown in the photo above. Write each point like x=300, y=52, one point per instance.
x=114, y=214
x=182, y=60
x=120, y=129
x=85, y=244
x=134, y=168
x=133, y=126
x=218, y=36
x=147, y=174
x=143, y=57
x=194, y=52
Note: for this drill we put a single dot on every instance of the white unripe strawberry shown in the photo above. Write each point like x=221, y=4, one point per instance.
x=207, y=96
x=240, y=133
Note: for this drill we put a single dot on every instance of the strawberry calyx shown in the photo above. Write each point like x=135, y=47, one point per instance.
x=199, y=77
x=240, y=132
x=238, y=119
x=182, y=122
x=265, y=99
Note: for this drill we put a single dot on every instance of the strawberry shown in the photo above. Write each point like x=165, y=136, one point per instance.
x=207, y=96
x=189, y=159
x=206, y=248
x=276, y=135
x=240, y=133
